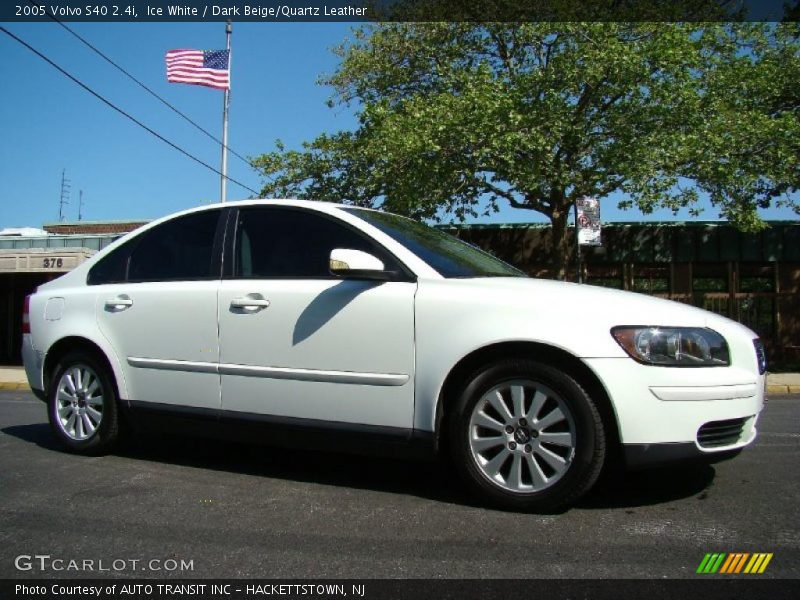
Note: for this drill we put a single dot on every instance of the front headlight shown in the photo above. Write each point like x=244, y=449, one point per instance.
x=673, y=346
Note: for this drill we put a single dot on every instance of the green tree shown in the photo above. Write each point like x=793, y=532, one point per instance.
x=461, y=117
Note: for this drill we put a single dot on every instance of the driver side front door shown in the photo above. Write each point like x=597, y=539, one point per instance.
x=297, y=342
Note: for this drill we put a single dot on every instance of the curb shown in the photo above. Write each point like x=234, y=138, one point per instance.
x=5, y=385
x=783, y=389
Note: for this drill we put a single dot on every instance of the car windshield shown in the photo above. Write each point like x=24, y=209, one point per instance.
x=448, y=255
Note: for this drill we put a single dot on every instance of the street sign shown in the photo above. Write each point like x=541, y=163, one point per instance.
x=589, y=230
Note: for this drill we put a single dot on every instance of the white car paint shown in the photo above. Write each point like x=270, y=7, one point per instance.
x=342, y=328
x=466, y=315
x=166, y=320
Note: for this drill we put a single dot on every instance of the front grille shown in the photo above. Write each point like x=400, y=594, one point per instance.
x=721, y=433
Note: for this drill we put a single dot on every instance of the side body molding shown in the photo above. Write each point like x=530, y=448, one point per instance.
x=379, y=379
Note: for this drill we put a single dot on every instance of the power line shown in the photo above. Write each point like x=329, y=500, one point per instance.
x=123, y=113
x=146, y=88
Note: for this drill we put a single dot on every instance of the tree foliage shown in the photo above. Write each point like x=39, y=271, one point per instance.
x=460, y=117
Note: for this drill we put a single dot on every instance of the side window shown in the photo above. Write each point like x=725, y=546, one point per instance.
x=277, y=243
x=112, y=268
x=181, y=248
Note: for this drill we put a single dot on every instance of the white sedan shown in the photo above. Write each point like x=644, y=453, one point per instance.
x=329, y=326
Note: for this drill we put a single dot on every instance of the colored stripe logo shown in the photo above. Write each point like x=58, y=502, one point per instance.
x=734, y=563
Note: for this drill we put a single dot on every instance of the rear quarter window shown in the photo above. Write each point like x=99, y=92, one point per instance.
x=179, y=249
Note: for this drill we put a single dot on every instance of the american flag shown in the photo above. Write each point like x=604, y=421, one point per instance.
x=199, y=67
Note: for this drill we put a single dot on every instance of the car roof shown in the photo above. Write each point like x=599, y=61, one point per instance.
x=316, y=204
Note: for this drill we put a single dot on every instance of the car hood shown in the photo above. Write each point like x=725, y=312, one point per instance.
x=579, y=315
x=582, y=300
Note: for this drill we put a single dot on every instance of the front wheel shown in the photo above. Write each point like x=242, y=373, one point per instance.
x=82, y=405
x=526, y=436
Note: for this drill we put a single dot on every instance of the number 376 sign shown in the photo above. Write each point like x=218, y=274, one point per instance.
x=588, y=221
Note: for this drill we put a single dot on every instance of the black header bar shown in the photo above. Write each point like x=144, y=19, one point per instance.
x=708, y=588
x=484, y=11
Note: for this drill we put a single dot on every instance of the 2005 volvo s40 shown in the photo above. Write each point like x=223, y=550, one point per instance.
x=339, y=327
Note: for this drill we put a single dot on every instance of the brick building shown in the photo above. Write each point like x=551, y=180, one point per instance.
x=92, y=227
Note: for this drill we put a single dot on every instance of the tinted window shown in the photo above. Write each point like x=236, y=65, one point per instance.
x=181, y=248
x=110, y=269
x=447, y=254
x=278, y=243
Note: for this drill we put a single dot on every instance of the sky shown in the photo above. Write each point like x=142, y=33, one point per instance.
x=50, y=124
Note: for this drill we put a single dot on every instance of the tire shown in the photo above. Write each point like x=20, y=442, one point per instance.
x=82, y=405
x=526, y=436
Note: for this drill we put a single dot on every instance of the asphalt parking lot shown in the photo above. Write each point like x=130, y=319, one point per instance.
x=246, y=511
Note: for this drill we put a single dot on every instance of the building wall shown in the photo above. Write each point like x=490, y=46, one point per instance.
x=13, y=289
x=92, y=227
x=92, y=242
x=27, y=262
x=530, y=245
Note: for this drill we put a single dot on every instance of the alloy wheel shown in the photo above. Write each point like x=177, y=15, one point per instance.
x=522, y=436
x=79, y=402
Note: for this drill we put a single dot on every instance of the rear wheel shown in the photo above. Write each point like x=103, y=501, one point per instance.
x=526, y=436
x=82, y=405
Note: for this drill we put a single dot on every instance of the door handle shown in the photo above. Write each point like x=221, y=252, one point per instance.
x=250, y=303
x=119, y=303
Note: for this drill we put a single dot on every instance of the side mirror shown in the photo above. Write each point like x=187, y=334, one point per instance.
x=355, y=264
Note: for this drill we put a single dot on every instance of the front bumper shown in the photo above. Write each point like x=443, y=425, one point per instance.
x=679, y=412
x=643, y=456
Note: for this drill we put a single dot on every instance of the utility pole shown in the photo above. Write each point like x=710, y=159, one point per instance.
x=80, y=204
x=225, y=105
x=65, y=187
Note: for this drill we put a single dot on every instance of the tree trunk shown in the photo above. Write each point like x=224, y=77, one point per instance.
x=561, y=251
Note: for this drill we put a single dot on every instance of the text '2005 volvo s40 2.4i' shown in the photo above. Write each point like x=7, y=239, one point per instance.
x=339, y=327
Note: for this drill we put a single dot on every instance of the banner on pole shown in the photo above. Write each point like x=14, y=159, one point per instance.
x=589, y=230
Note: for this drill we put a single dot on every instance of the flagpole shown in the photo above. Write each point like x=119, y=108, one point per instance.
x=225, y=106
